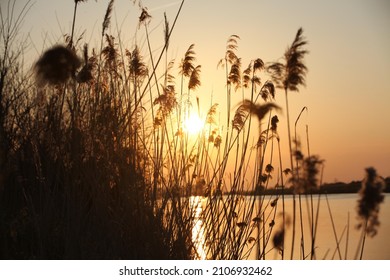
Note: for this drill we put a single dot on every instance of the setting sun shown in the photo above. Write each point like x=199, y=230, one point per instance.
x=193, y=124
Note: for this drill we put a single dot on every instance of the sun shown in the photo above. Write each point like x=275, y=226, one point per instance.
x=193, y=124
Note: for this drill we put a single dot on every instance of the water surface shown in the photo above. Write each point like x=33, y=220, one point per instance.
x=337, y=220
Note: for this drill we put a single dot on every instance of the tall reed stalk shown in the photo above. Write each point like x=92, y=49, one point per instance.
x=289, y=76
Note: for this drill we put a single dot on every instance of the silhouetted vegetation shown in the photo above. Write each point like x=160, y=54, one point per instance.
x=96, y=161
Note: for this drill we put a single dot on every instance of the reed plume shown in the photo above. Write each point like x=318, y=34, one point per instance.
x=279, y=236
x=291, y=74
x=247, y=107
x=304, y=178
x=274, y=123
x=107, y=17
x=267, y=91
x=248, y=75
x=258, y=64
x=210, y=117
x=368, y=207
x=110, y=53
x=240, y=117
x=167, y=102
x=371, y=195
x=187, y=64
x=259, y=110
x=85, y=74
x=231, y=48
x=137, y=66
x=234, y=77
x=194, y=81
x=56, y=66
x=145, y=17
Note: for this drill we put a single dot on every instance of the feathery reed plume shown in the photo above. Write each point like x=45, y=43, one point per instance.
x=144, y=18
x=295, y=67
x=218, y=141
x=234, y=77
x=231, y=47
x=259, y=110
x=85, y=74
x=169, y=78
x=166, y=30
x=269, y=133
x=194, y=81
x=210, y=117
x=368, y=205
x=167, y=102
x=187, y=64
x=258, y=64
x=107, y=17
x=307, y=180
x=291, y=74
x=110, y=53
x=278, y=239
x=56, y=66
x=274, y=123
x=246, y=76
x=279, y=235
x=267, y=91
x=85, y=53
x=247, y=107
x=137, y=67
x=269, y=169
x=240, y=117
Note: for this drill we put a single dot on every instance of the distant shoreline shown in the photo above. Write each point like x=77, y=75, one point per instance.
x=328, y=188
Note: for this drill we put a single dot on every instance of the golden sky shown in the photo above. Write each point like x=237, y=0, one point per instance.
x=348, y=88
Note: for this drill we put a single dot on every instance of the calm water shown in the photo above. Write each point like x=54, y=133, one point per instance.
x=343, y=209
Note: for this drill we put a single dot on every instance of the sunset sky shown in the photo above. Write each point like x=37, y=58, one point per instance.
x=348, y=88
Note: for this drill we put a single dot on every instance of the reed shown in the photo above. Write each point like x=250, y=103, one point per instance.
x=289, y=76
x=97, y=161
x=371, y=197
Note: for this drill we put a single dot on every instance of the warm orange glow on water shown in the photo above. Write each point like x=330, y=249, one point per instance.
x=343, y=211
x=198, y=227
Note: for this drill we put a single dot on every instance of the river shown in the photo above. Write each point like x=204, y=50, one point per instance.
x=337, y=220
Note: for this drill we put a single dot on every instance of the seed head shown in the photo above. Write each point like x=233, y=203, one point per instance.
x=56, y=66
x=368, y=204
x=278, y=239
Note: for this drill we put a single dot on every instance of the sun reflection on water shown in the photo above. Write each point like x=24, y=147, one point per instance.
x=198, y=232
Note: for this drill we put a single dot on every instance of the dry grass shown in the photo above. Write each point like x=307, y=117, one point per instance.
x=96, y=162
